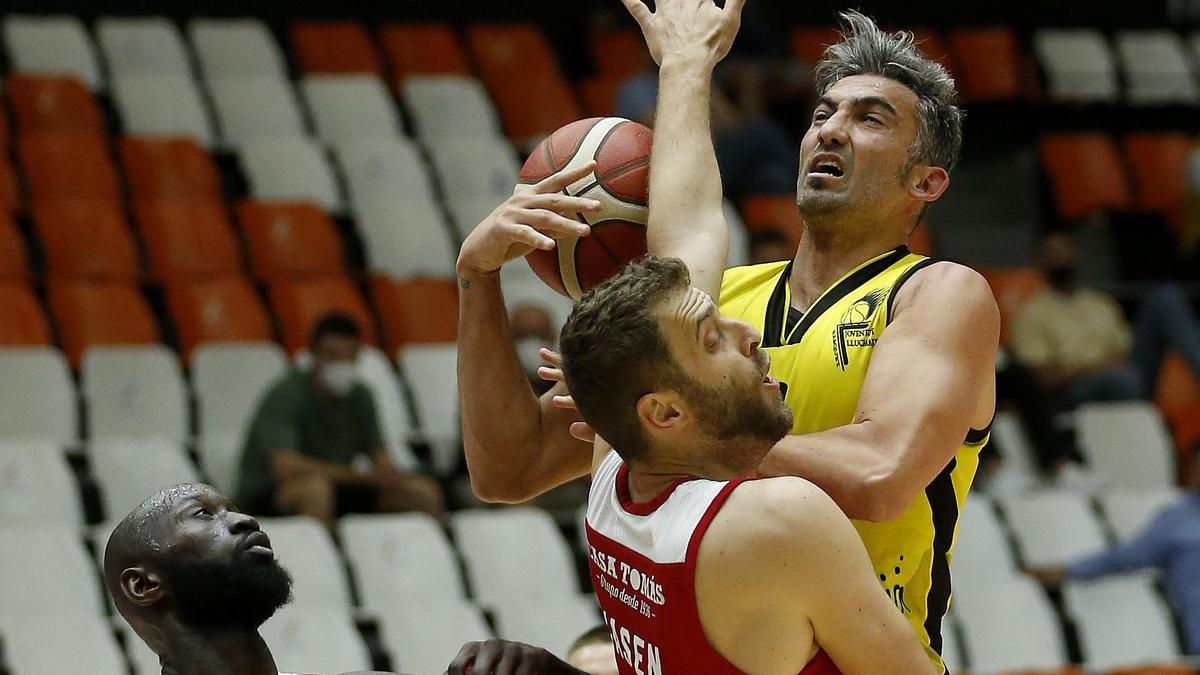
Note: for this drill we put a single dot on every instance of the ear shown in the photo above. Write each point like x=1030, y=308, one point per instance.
x=140, y=587
x=929, y=182
x=660, y=411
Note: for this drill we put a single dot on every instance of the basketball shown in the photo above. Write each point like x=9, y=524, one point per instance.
x=621, y=149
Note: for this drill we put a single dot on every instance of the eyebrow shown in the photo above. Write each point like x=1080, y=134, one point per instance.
x=860, y=102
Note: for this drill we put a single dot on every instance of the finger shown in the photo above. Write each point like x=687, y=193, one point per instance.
x=641, y=13
x=556, y=182
x=550, y=356
x=508, y=661
x=550, y=374
x=734, y=8
x=583, y=432
x=561, y=203
x=461, y=662
x=553, y=224
x=485, y=660
x=530, y=237
x=564, y=402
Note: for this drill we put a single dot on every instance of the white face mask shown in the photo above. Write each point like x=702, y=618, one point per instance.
x=339, y=377
x=527, y=353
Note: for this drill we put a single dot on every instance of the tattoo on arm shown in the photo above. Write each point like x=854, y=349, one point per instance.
x=464, y=282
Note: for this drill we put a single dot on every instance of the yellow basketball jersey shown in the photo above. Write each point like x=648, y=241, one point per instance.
x=820, y=358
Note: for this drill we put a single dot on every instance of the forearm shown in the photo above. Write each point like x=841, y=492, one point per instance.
x=289, y=463
x=1137, y=554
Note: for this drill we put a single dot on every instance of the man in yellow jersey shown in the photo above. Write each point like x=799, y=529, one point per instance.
x=887, y=357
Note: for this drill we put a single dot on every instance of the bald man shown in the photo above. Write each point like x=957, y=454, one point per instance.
x=594, y=652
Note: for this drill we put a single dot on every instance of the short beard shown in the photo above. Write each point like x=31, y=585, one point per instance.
x=745, y=425
x=233, y=592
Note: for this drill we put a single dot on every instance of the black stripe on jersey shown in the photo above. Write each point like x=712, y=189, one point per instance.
x=943, y=504
x=976, y=436
x=773, y=325
x=903, y=278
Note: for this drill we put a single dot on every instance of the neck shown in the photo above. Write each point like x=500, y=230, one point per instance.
x=827, y=253
x=647, y=480
x=217, y=652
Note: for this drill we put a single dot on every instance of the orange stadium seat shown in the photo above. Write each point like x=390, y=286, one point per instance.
x=809, y=42
x=619, y=53
x=86, y=239
x=333, y=47
x=225, y=309
x=299, y=304
x=1085, y=173
x=22, y=320
x=10, y=193
x=187, y=238
x=1012, y=288
x=773, y=212
x=44, y=104
x=521, y=73
x=288, y=239
x=599, y=95
x=169, y=168
x=933, y=46
x=1065, y=670
x=416, y=310
x=422, y=49
x=1177, y=395
x=1159, y=164
x=987, y=63
x=1174, y=669
x=68, y=165
x=94, y=313
x=14, y=263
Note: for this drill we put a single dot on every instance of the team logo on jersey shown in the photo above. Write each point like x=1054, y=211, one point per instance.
x=854, y=329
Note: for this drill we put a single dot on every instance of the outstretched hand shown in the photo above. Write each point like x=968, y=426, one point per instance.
x=680, y=28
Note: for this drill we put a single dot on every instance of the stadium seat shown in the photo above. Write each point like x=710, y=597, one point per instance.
x=259, y=107
x=1012, y=288
x=739, y=238
x=1085, y=172
x=982, y=553
x=130, y=470
x=60, y=642
x=518, y=67
x=1129, y=512
x=376, y=371
x=1142, y=631
x=987, y=61
x=344, y=107
x=1053, y=527
x=290, y=239
x=399, y=558
x=290, y=169
x=1078, y=63
x=1014, y=627
x=445, y=105
x=599, y=95
x=307, y=640
x=223, y=309
x=421, y=49
x=90, y=314
x=1157, y=67
x=52, y=45
x=405, y=239
x=134, y=392
x=144, y=45
x=809, y=42
x=36, y=485
x=1177, y=396
x=236, y=48
x=187, y=239
x=299, y=304
x=144, y=660
x=499, y=547
x=333, y=47
x=86, y=239
x=169, y=168
x=435, y=399
x=22, y=320
x=773, y=212
x=10, y=193
x=469, y=168
x=48, y=104
x=1012, y=444
x=1164, y=669
x=304, y=547
x=424, y=635
x=162, y=105
x=1159, y=167
x=619, y=52
x=383, y=167
x=951, y=650
x=68, y=165
x=931, y=44
x=416, y=310
x=554, y=624
x=37, y=396
x=38, y=561
x=1128, y=443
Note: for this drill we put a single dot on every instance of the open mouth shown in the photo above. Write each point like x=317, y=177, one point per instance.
x=826, y=164
x=258, y=543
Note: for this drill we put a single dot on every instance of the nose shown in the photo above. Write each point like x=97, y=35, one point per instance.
x=833, y=130
x=242, y=522
x=751, y=339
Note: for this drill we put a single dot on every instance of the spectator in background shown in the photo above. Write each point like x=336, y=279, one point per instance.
x=1171, y=542
x=768, y=246
x=309, y=430
x=532, y=329
x=594, y=653
x=1079, y=345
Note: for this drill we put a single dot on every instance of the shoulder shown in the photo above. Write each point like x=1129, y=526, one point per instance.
x=289, y=387
x=945, y=285
x=778, y=512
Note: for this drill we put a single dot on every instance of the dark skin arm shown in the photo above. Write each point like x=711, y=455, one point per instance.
x=502, y=657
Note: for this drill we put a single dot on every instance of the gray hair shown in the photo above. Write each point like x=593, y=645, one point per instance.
x=866, y=50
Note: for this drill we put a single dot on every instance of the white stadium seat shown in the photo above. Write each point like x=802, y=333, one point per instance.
x=553, y=623
x=130, y=470
x=1130, y=512
x=236, y=48
x=229, y=379
x=397, y=558
x=1156, y=67
x=304, y=547
x=60, y=642
x=1127, y=443
x=951, y=651
x=1014, y=627
x=466, y=213
x=450, y=106
x=1053, y=527
x=739, y=237
x=47, y=569
x=1078, y=63
x=428, y=369
x=501, y=546
x=306, y=640
x=250, y=108
x=52, y=45
x=481, y=167
x=162, y=105
x=145, y=45
x=378, y=374
x=290, y=169
x=134, y=392
x=383, y=167
x=36, y=485
x=1013, y=444
x=521, y=285
x=345, y=107
x=37, y=396
x=144, y=660
x=982, y=553
x=405, y=238
x=1121, y=621
x=424, y=635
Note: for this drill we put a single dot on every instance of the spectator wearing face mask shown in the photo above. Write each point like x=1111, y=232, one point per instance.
x=301, y=454
x=532, y=329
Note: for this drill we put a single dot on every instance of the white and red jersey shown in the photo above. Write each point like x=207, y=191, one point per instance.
x=642, y=560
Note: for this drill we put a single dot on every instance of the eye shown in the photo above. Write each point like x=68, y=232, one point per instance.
x=874, y=119
x=820, y=116
x=202, y=511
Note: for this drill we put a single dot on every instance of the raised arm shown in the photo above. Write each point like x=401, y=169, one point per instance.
x=931, y=379
x=687, y=38
x=517, y=445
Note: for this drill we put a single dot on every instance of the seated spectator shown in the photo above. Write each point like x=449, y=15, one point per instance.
x=532, y=329
x=768, y=246
x=1171, y=542
x=310, y=428
x=1079, y=345
x=594, y=652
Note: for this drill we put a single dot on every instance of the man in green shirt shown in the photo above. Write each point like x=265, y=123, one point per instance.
x=298, y=456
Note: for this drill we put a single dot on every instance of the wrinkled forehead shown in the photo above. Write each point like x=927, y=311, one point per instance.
x=685, y=309
x=856, y=88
